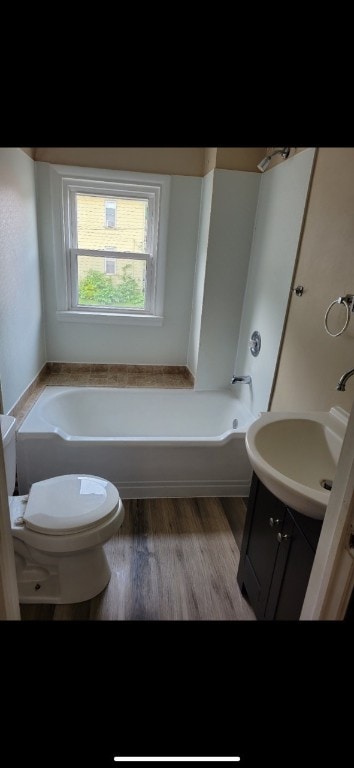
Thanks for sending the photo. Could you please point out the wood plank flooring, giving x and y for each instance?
(171, 560)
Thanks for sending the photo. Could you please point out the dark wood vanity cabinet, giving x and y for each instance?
(277, 553)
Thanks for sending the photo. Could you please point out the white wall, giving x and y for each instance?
(282, 199)
(233, 206)
(22, 351)
(132, 344)
(202, 252)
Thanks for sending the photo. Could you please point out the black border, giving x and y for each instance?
(273, 693)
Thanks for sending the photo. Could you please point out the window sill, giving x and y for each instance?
(108, 317)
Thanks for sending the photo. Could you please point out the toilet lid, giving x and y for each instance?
(69, 503)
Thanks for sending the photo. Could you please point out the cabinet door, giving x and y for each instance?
(291, 573)
(260, 550)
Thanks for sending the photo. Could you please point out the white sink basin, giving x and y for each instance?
(295, 456)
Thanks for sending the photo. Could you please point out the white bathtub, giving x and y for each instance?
(148, 442)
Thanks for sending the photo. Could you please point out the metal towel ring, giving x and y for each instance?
(346, 300)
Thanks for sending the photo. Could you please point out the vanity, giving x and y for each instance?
(277, 553)
(294, 458)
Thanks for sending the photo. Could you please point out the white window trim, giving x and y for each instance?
(63, 176)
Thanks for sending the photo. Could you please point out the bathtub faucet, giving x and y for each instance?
(242, 379)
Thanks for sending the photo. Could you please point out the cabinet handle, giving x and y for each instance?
(282, 536)
(273, 522)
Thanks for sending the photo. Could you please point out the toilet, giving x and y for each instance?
(58, 531)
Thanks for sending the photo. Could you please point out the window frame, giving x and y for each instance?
(108, 206)
(66, 181)
(108, 259)
(142, 192)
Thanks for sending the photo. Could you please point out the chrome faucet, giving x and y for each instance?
(242, 379)
(343, 380)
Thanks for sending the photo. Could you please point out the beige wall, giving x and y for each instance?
(181, 161)
(209, 159)
(233, 158)
(184, 161)
(311, 361)
(29, 151)
(239, 158)
(128, 234)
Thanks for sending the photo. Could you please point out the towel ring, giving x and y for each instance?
(347, 301)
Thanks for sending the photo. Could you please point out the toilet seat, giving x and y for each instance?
(69, 503)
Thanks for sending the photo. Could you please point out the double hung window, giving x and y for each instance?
(111, 244)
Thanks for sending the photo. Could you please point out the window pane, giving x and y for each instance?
(120, 225)
(110, 266)
(110, 214)
(125, 289)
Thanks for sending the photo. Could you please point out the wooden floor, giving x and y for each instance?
(172, 559)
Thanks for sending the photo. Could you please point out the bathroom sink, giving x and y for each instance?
(295, 456)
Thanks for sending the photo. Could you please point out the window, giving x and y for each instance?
(110, 266)
(110, 210)
(110, 271)
(131, 259)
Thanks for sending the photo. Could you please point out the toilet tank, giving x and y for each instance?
(8, 435)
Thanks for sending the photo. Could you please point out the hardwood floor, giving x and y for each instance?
(172, 559)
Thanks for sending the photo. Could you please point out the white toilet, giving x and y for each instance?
(58, 531)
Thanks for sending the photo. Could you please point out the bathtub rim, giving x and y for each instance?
(46, 429)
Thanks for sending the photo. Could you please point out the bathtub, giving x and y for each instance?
(148, 442)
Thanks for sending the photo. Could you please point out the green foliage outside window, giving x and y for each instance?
(98, 289)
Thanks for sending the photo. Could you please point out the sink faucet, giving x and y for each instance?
(243, 379)
(343, 380)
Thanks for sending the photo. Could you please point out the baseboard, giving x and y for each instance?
(166, 490)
